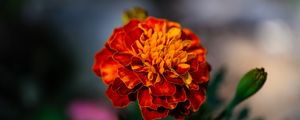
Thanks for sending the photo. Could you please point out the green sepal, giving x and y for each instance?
(134, 13)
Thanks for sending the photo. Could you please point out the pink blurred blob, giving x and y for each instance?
(90, 110)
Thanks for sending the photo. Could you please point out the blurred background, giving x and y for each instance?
(47, 49)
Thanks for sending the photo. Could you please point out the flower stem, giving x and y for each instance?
(226, 113)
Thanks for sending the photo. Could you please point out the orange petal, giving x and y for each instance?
(139, 68)
(197, 98)
(145, 99)
(171, 74)
(182, 68)
(116, 99)
(99, 59)
(109, 70)
(128, 77)
(163, 88)
(149, 114)
(180, 96)
(122, 58)
(162, 101)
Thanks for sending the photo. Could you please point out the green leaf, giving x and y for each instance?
(213, 99)
(134, 111)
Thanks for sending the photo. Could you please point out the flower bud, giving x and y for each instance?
(251, 82)
(134, 13)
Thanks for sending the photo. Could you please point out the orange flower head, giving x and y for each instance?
(158, 63)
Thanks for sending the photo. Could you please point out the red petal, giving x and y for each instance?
(132, 31)
(199, 52)
(162, 101)
(193, 86)
(178, 116)
(123, 90)
(122, 58)
(137, 65)
(117, 40)
(124, 37)
(152, 21)
(180, 96)
(194, 65)
(202, 74)
(99, 59)
(177, 80)
(181, 110)
(196, 98)
(144, 79)
(136, 61)
(116, 99)
(109, 70)
(149, 114)
(189, 35)
(173, 77)
(128, 77)
(145, 99)
(119, 87)
(116, 84)
(163, 88)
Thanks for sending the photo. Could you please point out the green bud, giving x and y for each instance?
(134, 13)
(251, 82)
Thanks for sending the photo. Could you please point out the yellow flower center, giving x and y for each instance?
(161, 50)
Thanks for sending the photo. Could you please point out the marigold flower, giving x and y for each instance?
(158, 63)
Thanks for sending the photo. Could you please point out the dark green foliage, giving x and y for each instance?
(244, 114)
